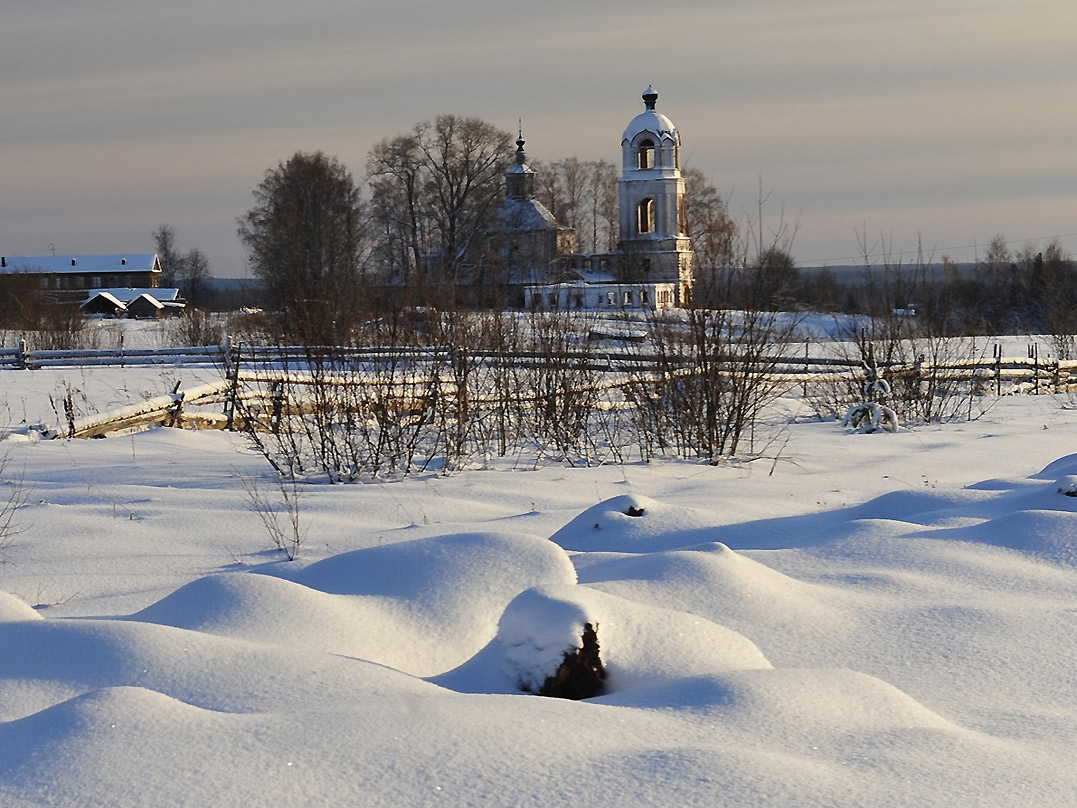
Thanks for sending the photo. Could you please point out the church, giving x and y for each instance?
(652, 267)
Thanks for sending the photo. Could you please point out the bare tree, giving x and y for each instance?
(188, 271)
(915, 351)
(1056, 282)
(395, 173)
(305, 240)
(583, 195)
(433, 189)
(194, 274)
(165, 239)
(716, 239)
(464, 160)
(771, 280)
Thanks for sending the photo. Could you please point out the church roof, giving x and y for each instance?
(650, 120)
(526, 214)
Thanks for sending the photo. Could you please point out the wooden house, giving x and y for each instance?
(70, 277)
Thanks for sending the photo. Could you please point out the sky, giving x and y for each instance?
(868, 127)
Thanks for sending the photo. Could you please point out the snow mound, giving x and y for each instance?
(632, 524)
(1047, 534)
(813, 703)
(1063, 466)
(65, 733)
(640, 644)
(264, 609)
(14, 608)
(836, 701)
(421, 606)
(418, 569)
(720, 584)
(915, 506)
(72, 657)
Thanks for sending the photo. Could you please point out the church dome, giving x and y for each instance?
(649, 120)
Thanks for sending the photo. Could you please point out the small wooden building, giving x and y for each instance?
(104, 303)
(145, 307)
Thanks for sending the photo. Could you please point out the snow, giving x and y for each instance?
(862, 620)
(104, 264)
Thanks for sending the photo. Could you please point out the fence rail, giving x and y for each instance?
(803, 367)
(253, 374)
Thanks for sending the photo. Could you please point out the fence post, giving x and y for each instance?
(22, 354)
(804, 385)
(176, 410)
(998, 368)
(231, 359)
(1034, 355)
(276, 390)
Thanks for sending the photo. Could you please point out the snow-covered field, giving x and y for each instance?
(862, 620)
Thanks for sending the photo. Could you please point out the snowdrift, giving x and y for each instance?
(912, 647)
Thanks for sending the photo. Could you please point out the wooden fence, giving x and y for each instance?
(170, 409)
(801, 367)
(250, 373)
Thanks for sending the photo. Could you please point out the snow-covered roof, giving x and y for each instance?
(526, 214)
(146, 299)
(602, 284)
(595, 276)
(126, 295)
(103, 264)
(102, 295)
(649, 120)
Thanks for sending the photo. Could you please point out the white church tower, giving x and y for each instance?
(651, 196)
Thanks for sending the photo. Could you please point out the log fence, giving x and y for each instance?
(257, 373)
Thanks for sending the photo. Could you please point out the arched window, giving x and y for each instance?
(645, 216)
(645, 154)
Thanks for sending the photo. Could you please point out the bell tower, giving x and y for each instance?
(651, 198)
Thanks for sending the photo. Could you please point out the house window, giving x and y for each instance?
(628, 298)
(611, 298)
(645, 216)
(643, 297)
(645, 154)
(95, 281)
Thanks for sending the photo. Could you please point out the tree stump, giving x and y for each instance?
(580, 673)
